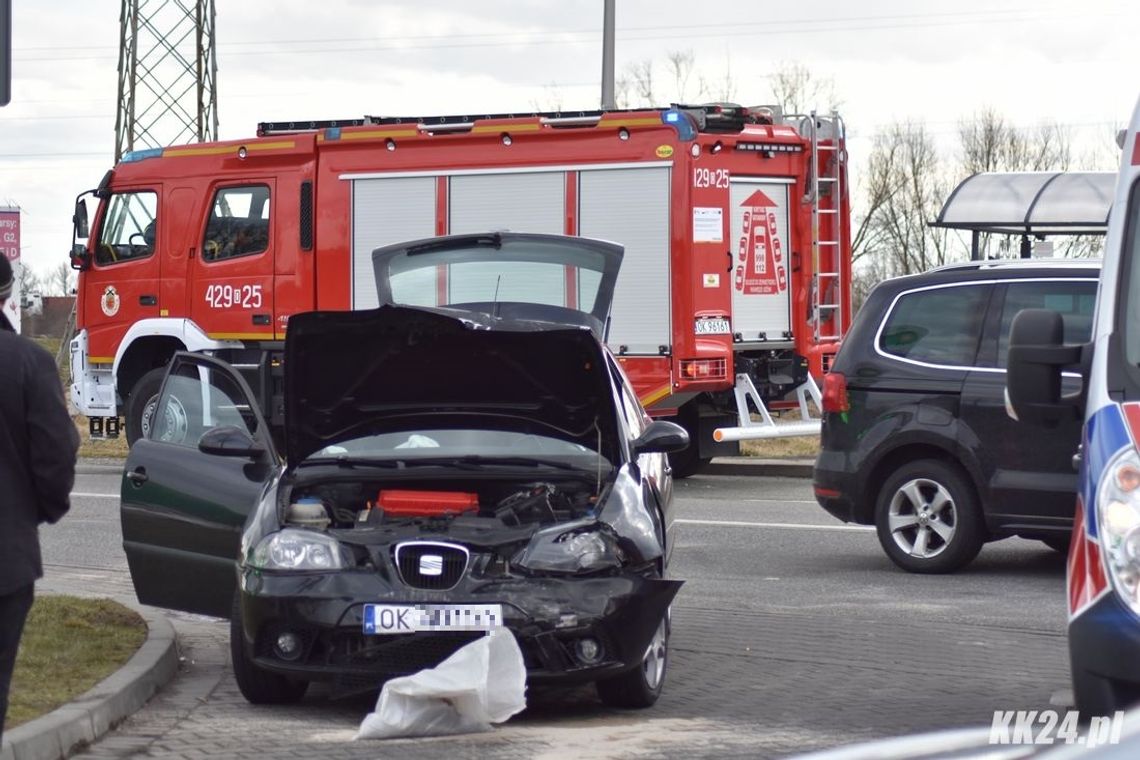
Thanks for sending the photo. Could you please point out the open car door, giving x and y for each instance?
(509, 275)
(183, 509)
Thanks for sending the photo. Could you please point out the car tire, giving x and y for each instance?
(1093, 694)
(927, 518)
(258, 686)
(141, 404)
(1058, 544)
(639, 688)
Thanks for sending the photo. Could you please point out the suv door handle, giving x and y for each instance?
(138, 476)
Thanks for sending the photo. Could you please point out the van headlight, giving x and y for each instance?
(1118, 522)
(292, 549)
(582, 546)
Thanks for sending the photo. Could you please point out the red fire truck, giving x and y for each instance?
(735, 222)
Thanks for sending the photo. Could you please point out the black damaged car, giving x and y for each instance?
(447, 470)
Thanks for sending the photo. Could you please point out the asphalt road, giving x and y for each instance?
(793, 632)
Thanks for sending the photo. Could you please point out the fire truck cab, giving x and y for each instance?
(735, 223)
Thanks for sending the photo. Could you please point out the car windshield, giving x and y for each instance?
(464, 444)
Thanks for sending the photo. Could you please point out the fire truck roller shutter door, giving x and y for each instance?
(519, 202)
(389, 210)
(761, 297)
(630, 206)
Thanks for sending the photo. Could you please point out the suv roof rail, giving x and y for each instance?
(999, 263)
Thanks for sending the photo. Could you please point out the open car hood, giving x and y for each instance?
(353, 374)
(507, 275)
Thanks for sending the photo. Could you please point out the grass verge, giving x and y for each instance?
(800, 447)
(69, 645)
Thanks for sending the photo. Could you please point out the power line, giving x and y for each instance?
(634, 34)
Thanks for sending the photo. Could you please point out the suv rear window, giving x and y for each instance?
(936, 326)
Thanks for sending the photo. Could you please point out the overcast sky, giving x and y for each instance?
(935, 62)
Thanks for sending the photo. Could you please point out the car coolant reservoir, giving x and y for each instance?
(308, 512)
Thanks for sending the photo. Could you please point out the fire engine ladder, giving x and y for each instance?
(825, 194)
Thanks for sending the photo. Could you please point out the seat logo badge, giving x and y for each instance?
(431, 564)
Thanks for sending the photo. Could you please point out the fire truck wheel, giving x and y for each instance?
(141, 404)
(686, 463)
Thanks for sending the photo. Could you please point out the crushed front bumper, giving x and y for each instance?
(548, 616)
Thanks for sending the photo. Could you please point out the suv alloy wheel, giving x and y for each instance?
(927, 518)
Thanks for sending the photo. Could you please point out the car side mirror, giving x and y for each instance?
(229, 441)
(661, 437)
(1037, 354)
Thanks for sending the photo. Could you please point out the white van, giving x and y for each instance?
(1104, 554)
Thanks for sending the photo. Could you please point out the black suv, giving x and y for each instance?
(916, 439)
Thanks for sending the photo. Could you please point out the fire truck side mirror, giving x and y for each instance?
(80, 258)
(79, 220)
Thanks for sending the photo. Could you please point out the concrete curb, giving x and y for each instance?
(91, 715)
(757, 467)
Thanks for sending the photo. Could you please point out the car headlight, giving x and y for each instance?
(1118, 519)
(582, 546)
(292, 549)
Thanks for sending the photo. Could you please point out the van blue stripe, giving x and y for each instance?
(1105, 435)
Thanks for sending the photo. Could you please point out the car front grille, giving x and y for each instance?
(431, 565)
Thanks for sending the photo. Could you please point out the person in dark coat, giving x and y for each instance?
(38, 443)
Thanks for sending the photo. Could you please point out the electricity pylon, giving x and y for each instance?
(168, 74)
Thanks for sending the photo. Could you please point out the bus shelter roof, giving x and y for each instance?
(1031, 203)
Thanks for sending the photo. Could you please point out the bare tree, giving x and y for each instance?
(634, 87)
(60, 281)
(552, 98)
(989, 143)
(906, 189)
(680, 67)
(798, 90)
(721, 89)
(30, 281)
(876, 188)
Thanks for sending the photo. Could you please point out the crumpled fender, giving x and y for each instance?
(624, 511)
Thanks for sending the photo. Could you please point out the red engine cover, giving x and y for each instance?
(426, 503)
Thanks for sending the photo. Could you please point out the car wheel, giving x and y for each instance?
(1058, 544)
(927, 518)
(141, 404)
(258, 686)
(640, 687)
(1094, 695)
